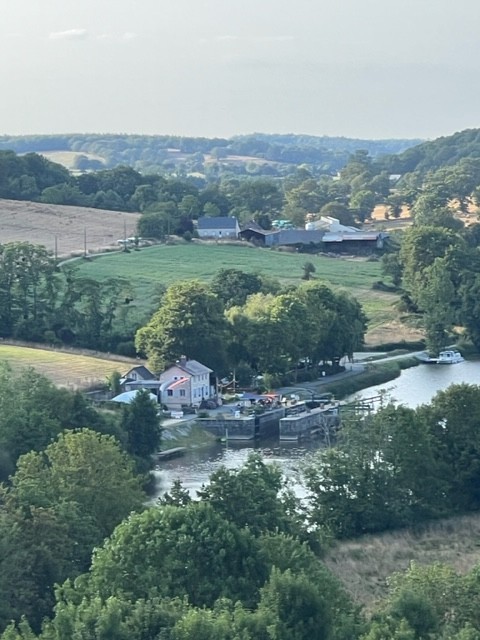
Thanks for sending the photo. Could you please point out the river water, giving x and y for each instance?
(414, 387)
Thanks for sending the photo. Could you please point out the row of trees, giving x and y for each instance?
(170, 204)
(238, 322)
(241, 317)
(39, 302)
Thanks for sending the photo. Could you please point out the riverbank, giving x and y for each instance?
(356, 377)
(359, 375)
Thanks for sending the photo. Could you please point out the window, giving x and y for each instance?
(170, 392)
(182, 393)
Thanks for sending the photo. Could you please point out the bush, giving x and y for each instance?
(379, 285)
(403, 345)
(271, 380)
(126, 349)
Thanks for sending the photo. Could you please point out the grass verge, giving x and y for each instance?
(185, 434)
(364, 564)
(375, 374)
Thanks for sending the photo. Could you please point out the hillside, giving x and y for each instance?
(269, 154)
(365, 564)
(43, 223)
(441, 152)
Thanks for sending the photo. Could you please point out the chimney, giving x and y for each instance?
(183, 361)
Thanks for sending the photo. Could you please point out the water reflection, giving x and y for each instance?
(419, 385)
(415, 386)
(195, 468)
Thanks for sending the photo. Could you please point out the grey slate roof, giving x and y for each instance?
(142, 371)
(252, 225)
(193, 367)
(293, 236)
(220, 222)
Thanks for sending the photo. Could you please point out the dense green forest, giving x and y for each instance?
(432, 155)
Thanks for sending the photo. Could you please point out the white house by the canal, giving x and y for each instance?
(185, 383)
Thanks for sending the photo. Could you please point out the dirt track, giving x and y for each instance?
(42, 223)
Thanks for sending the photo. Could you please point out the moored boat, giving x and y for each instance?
(452, 356)
(449, 356)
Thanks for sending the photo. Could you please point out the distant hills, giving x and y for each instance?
(255, 154)
(444, 151)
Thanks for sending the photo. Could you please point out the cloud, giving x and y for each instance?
(69, 34)
(112, 37)
(253, 39)
(129, 35)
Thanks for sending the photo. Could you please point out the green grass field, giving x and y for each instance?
(165, 264)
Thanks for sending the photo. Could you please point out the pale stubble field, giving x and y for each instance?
(64, 228)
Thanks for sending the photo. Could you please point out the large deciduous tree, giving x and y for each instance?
(233, 286)
(254, 496)
(83, 467)
(190, 321)
(179, 551)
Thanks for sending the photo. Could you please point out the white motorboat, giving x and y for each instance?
(449, 356)
(452, 356)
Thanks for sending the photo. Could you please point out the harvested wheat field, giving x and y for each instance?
(72, 227)
(392, 331)
(72, 370)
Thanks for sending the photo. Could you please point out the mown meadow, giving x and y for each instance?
(73, 370)
(164, 264)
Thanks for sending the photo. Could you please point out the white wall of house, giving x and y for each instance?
(218, 233)
(191, 392)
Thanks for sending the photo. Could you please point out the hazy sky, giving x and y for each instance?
(358, 68)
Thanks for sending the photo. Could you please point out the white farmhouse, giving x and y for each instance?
(219, 228)
(186, 383)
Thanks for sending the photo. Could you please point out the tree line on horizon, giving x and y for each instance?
(277, 153)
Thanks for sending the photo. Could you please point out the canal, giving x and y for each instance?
(415, 386)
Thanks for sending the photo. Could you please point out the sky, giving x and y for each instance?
(217, 68)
